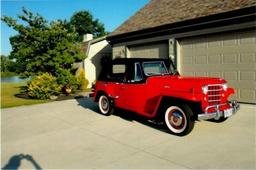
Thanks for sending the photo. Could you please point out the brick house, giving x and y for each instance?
(215, 38)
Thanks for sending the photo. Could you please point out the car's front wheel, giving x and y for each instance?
(104, 105)
(178, 119)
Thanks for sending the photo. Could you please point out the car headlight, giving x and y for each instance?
(225, 86)
(205, 89)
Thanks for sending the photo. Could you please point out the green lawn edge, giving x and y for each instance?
(8, 98)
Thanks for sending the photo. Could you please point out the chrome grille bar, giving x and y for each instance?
(214, 93)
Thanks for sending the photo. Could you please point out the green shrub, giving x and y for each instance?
(43, 86)
(67, 81)
(83, 82)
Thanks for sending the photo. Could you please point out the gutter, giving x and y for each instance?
(236, 17)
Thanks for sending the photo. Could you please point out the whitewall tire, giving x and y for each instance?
(178, 120)
(104, 105)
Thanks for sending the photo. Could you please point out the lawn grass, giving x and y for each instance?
(8, 74)
(8, 98)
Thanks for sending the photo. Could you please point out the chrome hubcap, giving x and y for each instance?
(176, 119)
(104, 104)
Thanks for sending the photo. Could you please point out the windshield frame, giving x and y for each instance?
(155, 74)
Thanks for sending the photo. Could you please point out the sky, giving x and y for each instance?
(111, 13)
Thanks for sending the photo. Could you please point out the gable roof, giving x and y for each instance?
(86, 44)
(161, 12)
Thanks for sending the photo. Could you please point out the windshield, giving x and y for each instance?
(154, 68)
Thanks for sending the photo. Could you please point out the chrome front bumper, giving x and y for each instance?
(218, 113)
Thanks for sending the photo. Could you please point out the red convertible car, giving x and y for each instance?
(154, 89)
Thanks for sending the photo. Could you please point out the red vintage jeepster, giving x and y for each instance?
(154, 89)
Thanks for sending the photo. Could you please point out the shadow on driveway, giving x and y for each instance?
(88, 103)
(15, 162)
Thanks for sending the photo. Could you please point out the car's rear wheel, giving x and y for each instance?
(178, 119)
(104, 105)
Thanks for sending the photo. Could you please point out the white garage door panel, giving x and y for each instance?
(231, 56)
(149, 51)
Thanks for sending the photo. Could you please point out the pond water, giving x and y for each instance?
(13, 79)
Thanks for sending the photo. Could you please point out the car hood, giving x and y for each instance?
(186, 82)
(198, 80)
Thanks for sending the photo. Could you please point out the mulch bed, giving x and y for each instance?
(59, 98)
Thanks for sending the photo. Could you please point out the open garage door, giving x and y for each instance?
(231, 56)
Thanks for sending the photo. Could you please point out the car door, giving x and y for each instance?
(133, 90)
(118, 84)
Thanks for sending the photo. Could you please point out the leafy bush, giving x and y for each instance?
(68, 81)
(83, 82)
(43, 86)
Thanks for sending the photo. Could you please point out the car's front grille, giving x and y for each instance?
(214, 94)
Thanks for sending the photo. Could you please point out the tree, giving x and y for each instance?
(84, 23)
(8, 65)
(41, 47)
(4, 61)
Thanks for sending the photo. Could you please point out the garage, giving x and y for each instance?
(216, 40)
(156, 50)
(231, 56)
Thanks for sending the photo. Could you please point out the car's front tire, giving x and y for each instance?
(105, 106)
(178, 119)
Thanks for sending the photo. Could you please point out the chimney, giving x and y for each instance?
(87, 37)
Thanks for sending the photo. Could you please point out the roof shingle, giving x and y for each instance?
(162, 12)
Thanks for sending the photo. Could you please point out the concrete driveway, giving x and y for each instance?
(72, 134)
